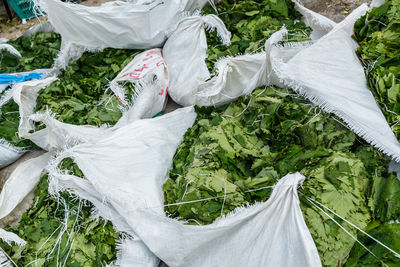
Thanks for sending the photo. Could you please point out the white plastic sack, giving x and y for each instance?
(150, 100)
(235, 76)
(10, 49)
(190, 81)
(320, 25)
(117, 25)
(149, 74)
(185, 52)
(56, 135)
(125, 170)
(21, 182)
(9, 153)
(272, 233)
(329, 73)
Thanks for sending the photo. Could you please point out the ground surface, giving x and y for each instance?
(336, 10)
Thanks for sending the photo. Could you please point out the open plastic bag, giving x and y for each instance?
(126, 169)
(192, 83)
(9, 153)
(117, 24)
(330, 75)
(56, 135)
(21, 182)
(10, 49)
(148, 74)
(150, 97)
(272, 233)
(138, 169)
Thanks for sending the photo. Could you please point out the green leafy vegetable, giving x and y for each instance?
(251, 23)
(237, 151)
(79, 96)
(378, 34)
(9, 122)
(385, 198)
(38, 52)
(86, 241)
(388, 234)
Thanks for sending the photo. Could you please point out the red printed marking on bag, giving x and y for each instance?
(134, 75)
(147, 58)
(160, 62)
(162, 91)
(122, 101)
(141, 69)
(153, 52)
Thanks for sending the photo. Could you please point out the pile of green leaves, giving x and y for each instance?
(251, 23)
(384, 202)
(79, 96)
(378, 34)
(388, 234)
(87, 241)
(251, 143)
(9, 122)
(38, 52)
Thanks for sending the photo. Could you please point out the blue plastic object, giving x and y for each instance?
(9, 78)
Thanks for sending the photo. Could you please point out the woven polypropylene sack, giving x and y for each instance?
(117, 24)
(126, 170)
(272, 233)
(330, 75)
(192, 83)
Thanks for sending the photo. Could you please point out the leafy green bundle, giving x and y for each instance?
(237, 151)
(9, 122)
(38, 52)
(387, 233)
(79, 96)
(378, 34)
(86, 241)
(251, 23)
